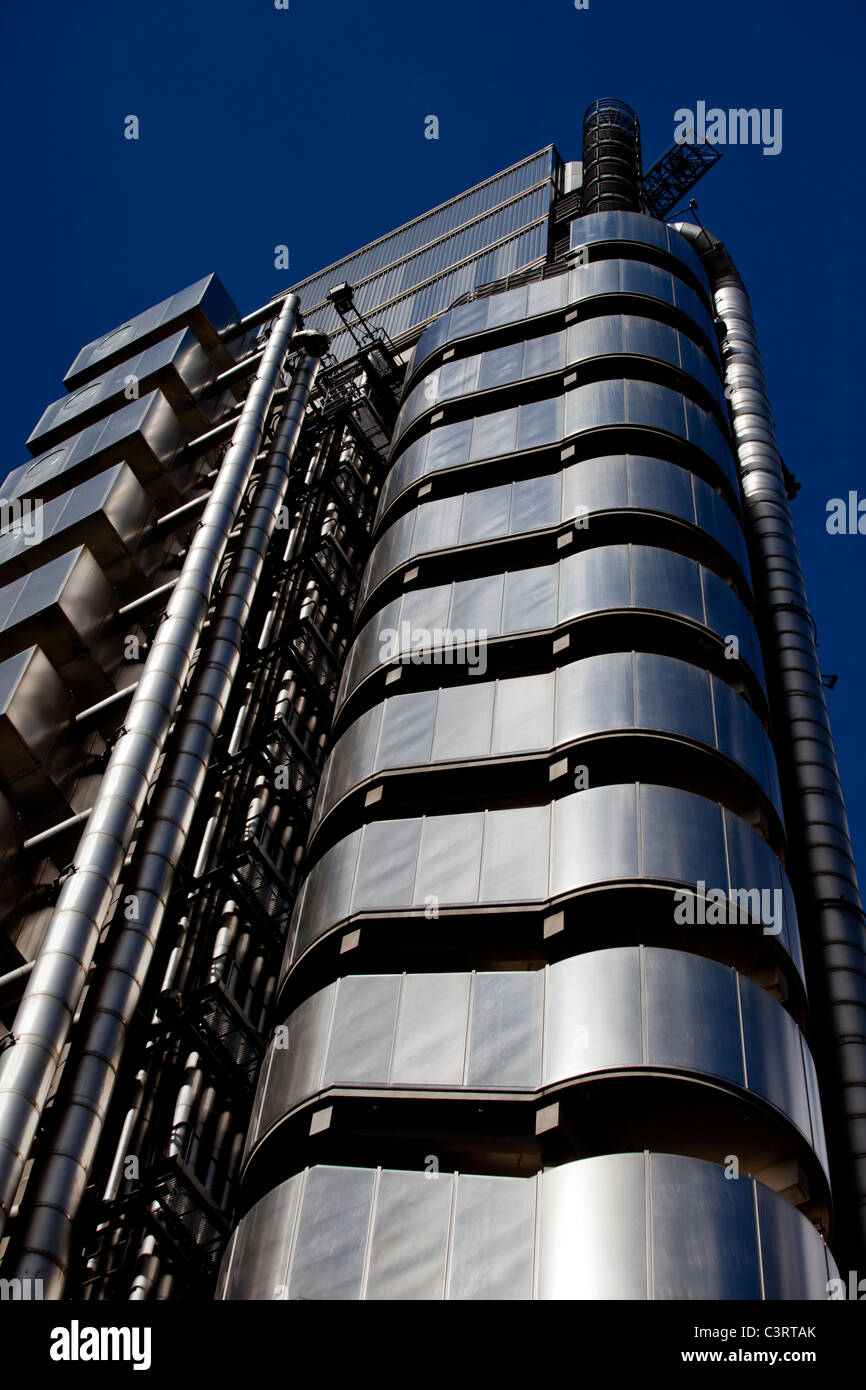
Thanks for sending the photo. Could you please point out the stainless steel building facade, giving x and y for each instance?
(454, 898)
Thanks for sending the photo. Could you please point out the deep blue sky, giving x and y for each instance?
(261, 126)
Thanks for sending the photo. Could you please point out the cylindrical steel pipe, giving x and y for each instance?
(65, 1169)
(44, 1016)
(816, 815)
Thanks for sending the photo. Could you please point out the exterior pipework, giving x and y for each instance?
(817, 817)
(46, 1243)
(41, 1026)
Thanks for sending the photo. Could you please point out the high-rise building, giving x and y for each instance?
(427, 868)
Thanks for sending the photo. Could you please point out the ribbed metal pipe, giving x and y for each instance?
(817, 818)
(64, 1171)
(42, 1023)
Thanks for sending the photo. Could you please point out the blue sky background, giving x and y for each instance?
(305, 127)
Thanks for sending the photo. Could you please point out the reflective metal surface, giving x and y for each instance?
(817, 808)
(204, 307)
(41, 1025)
(575, 1232)
(537, 853)
(539, 599)
(575, 494)
(524, 714)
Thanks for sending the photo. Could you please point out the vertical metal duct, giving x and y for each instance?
(64, 1171)
(612, 170)
(41, 1027)
(817, 816)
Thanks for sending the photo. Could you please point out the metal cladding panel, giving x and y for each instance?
(109, 513)
(550, 501)
(419, 626)
(588, 839)
(204, 307)
(64, 607)
(626, 1009)
(612, 336)
(578, 1232)
(638, 227)
(178, 367)
(145, 434)
(35, 706)
(600, 278)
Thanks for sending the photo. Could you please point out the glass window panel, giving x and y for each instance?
(682, 837)
(698, 365)
(515, 856)
(493, 435)
(674, 695)
(661, 487)
(296, 1072)
(536, 503)
(493, 1240)
(407, 730)
(542, 355)
(386, 865)
(725, 613)
(594, 579)
(595, 484)
(523, 717)
(263, 1240)
(692, 1019)
(436, 525)
(774, 1058)
(651, 280)
(539, 422)
(423, 612)
(594, 694)
(531, 599)
(546, 295)
(331, 1240)
(468, 318)
(646, 338)
(666, 581)
(431, 1030)
(353, 755)
(595, 337)
(509, 307)
(505, 1029)
(501, 365)
(328, 887)
(594, 838)
(449, 859)
(740, 732)
(477, 605)
(362, 1032)
(656, 406)
(714, 515)
(598, 403)
(680, 1186)
(754, 869)
(410, 1237)
(463, 722)
(449, 446)
(593, 1013)
(458, 378)
(485, 514)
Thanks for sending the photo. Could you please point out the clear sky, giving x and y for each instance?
(305, 127)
